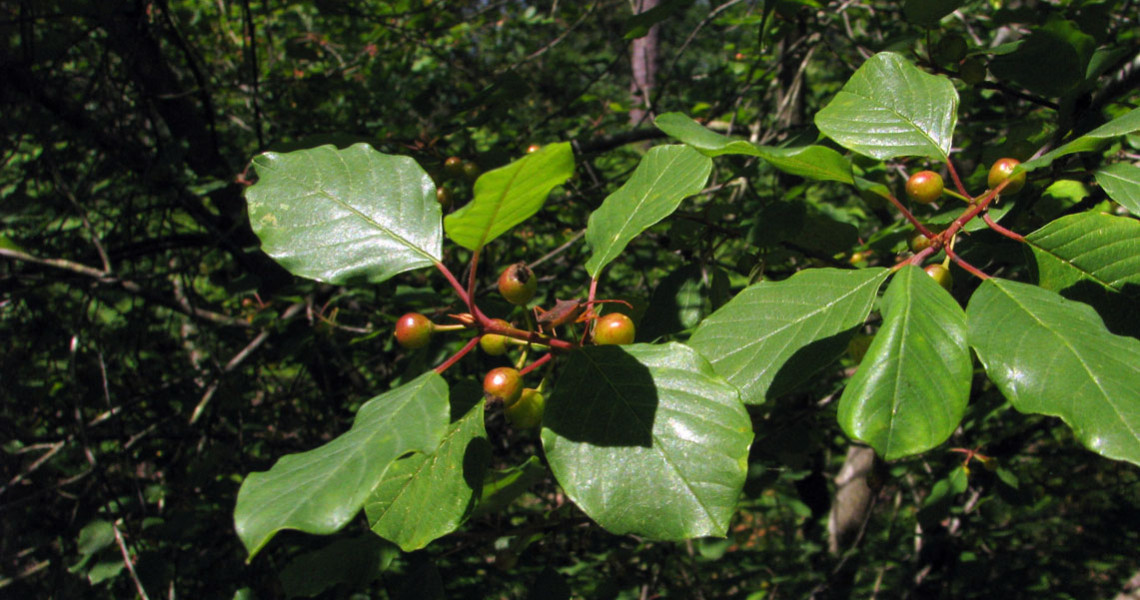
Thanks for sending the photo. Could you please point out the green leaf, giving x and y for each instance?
(320, 490)
(1093, 247)
(681, 300)
(509, 195)
(339, 215)
(928, 13)
(708, 142)
(648, 440)
(95, 536)
(355, 562)
(1121, 181)
(890, 108)
(422, 497)
(665, 176)
(912, 387)
(1122, 125)
(502, 487)
(813, 162)
(775, 335)
(1051, 61)
(1053, 356)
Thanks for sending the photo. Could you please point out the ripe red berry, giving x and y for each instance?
(614, 329)
(503, 384)
(517, 283)
(924, 187)
(414, 330)
(941, 275)
(1001, 170)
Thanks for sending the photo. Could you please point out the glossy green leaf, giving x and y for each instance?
(813, 162)
(648, 440)
(890, 108)
(913, 384)
(1122, 125)
(1121, 181)
(775, 335)
(665, 176)
(1051, 61)
(424, 496)
(319, 491)
(1094, 247)
(1053, 356)
(340, 215)
(509, 195)
(681, 300)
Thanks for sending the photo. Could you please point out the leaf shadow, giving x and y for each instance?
(604, 397)
(808, 361)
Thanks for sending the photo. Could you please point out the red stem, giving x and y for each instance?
(909, 217)
(458, 355)
(965, 265)
(957, 180)
(545, 358)
(454, 283)
(1017, 237)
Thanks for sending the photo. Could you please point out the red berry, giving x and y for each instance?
(414, 330)
(531, 149)
(1001, 170)
(454, 166)
(503, 384)
(517, 283)
(614, 329)
(924, 187)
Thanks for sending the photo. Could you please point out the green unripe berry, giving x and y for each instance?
(503, 384)
(414, 330)
(614, 329)
(924, 187)
(1001, 170)
(526, 412)
(471, 170)
(493, 343)
(919, 242)
(941, 275)
(517, 284)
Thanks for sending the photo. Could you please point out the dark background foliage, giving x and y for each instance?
(152, 355)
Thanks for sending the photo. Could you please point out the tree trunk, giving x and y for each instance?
(644, 58)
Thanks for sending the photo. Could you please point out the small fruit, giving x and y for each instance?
(919, 242)
(924, 187)
(951, 48)
(454, 166)
(614, 329)
(1001, 171)
(531, 149)
(503, 384)
(414, 330)
(941, 275)
(493, 343)
(526, 412)
(517, 283)
(972, 71)
(471, 170)
(444, 196)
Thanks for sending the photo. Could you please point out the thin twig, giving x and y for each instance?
(127, 561)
